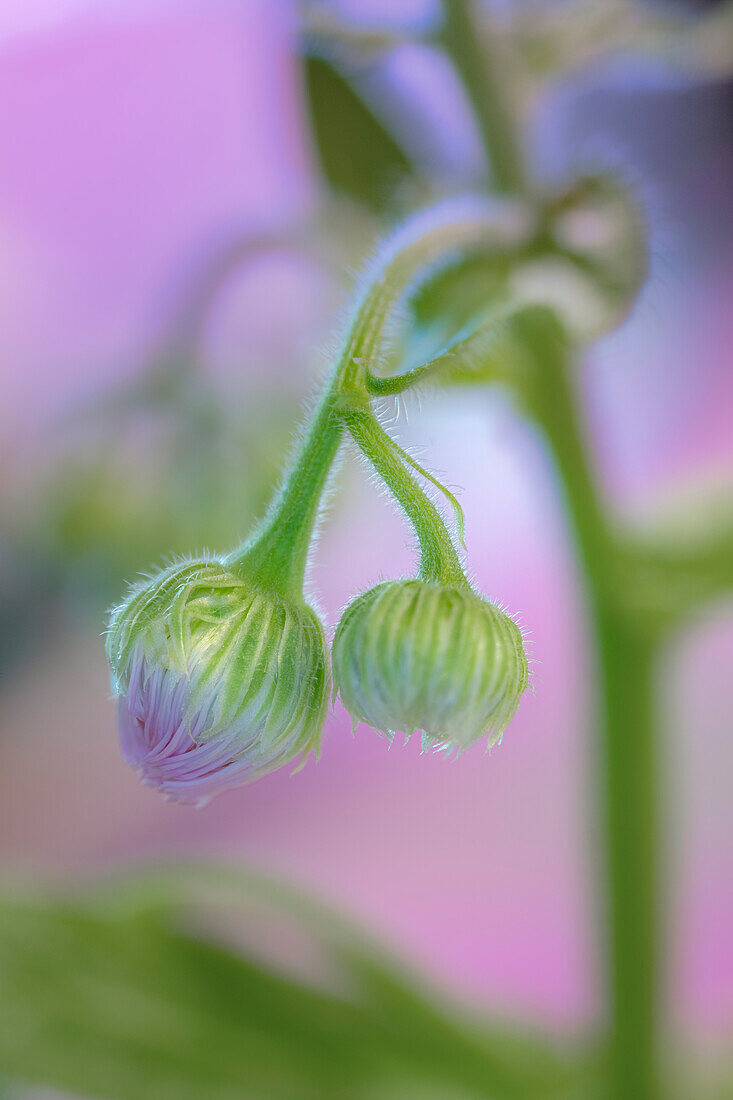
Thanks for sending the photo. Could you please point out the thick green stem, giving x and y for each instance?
(478, 68)
(628, 767)
(626, 759)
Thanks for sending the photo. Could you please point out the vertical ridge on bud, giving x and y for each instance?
(418, 655)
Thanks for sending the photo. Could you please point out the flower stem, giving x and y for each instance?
(275, 557)
(439, 561)
(626, 760)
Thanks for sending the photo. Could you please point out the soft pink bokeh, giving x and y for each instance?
(125, 147)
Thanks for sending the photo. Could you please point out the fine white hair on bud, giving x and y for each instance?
(218, 680)
(413, 655)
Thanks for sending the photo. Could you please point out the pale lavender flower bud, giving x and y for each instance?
(218, 681)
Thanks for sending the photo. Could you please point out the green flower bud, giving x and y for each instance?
(218, 681)
(419, 655)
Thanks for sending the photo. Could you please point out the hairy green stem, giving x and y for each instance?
(438, 558)
(626, 758)
(275, 557)
(476, 63)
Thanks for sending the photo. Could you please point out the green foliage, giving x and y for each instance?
(358, 156)
(679, 565)
(111, 508)
(112, 996)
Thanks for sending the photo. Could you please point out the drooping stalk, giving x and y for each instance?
(626, 755)
(439, 561)
(275, 557)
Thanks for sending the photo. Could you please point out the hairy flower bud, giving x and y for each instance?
(218, 681)
(418, 655)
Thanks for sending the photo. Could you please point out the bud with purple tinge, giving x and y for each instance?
(218, 681)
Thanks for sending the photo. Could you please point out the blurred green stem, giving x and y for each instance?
(628, 770)
(626, 760)
(475, 59)
(626, 764)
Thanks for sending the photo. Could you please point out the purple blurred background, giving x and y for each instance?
(133, 137)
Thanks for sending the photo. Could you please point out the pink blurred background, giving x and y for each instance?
(132, 136)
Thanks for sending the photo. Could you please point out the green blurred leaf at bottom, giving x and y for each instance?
(132, 1009)
(120, 1001)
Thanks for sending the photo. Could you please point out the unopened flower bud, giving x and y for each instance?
(417, 655)
(218, 681)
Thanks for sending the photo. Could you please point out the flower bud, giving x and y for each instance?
(417, 655)
(218, 681)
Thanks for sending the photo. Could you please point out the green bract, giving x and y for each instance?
(414, 655)
(218, 680)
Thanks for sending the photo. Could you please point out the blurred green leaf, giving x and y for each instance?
(132, 1009)
(450, 302)
(172, 483)
(455, 293)
(112, 996)
(681, 562)
(357, 153)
